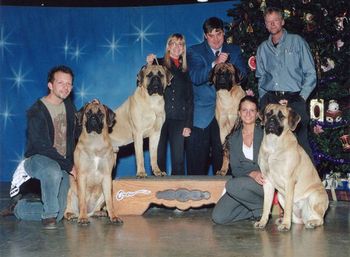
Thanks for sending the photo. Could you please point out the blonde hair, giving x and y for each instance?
(182, 59)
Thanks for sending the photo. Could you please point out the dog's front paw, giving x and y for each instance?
(221, 173)
(284, 227)
(83, 221)
(159, 173)
(311, 224)
(260, 224)
(116, 220)
(141, 174)
(70, 216)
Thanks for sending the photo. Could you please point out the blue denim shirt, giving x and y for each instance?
(287, 67)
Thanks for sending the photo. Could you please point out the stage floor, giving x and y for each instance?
(165, 232)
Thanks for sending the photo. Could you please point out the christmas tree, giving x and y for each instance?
(325, 25)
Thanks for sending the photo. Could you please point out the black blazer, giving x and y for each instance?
(178, 96)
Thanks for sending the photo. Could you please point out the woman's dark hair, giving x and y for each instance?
(247, 98)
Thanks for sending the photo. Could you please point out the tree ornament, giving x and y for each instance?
(309, 20)
(333, 114)
(252, 63)
(263, 6)
(345, 141)
(340, 22)
(324, 11)
(318, 129)
(286, 13)
(250, 28)
(329, 65)
(251, 4)
(317, 109)
(339, 44)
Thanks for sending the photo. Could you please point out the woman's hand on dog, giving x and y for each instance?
(257, 176)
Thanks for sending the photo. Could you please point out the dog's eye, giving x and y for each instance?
(160, 74)
(280, 115)
(149, 75)
(89, 112)
(268, 114)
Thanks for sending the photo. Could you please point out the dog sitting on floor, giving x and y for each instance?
(287, 167)
(94, 160)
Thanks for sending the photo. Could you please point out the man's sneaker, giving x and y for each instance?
(49, 223)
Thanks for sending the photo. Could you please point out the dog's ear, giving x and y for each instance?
(261, 116)
(110, 117)
(211, 77)
(293, 119)
(169, 76)
(140, 76)
(238, 75)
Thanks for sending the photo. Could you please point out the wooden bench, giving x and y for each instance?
(132, 196)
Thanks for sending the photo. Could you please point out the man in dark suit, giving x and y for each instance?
(204, 142)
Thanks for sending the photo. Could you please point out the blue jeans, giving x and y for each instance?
(54, 189)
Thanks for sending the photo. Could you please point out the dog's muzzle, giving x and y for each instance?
(155, 86)
(223, 81)
(94, 122)
(273, 126)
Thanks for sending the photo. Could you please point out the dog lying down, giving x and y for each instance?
(287, 168)
(94, 160)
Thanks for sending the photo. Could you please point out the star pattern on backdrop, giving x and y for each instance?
(142, 34)
(112, 46)
(82, 92)
(4, 43)
(19, 78)
(77, 52)
(6, 115)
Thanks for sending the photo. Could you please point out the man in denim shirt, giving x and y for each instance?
(286, 72)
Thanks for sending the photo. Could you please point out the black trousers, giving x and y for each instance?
(204, 146)
(172, 132)
(298, 104)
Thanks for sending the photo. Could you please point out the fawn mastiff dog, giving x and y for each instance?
(142, 115)
(94, 160)
(226, 77)
(287, 168)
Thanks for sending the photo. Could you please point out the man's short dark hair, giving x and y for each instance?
(211, 24)
(61, 68)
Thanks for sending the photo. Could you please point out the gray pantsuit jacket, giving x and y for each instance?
(244, 197)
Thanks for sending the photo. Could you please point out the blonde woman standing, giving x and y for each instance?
(178, 97)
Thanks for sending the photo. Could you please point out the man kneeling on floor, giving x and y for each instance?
(51, 137)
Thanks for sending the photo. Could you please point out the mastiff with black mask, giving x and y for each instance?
(226, 78)
(94, 160)
(142, 115)
(287, 168)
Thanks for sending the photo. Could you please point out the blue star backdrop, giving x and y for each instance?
(105, 47)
